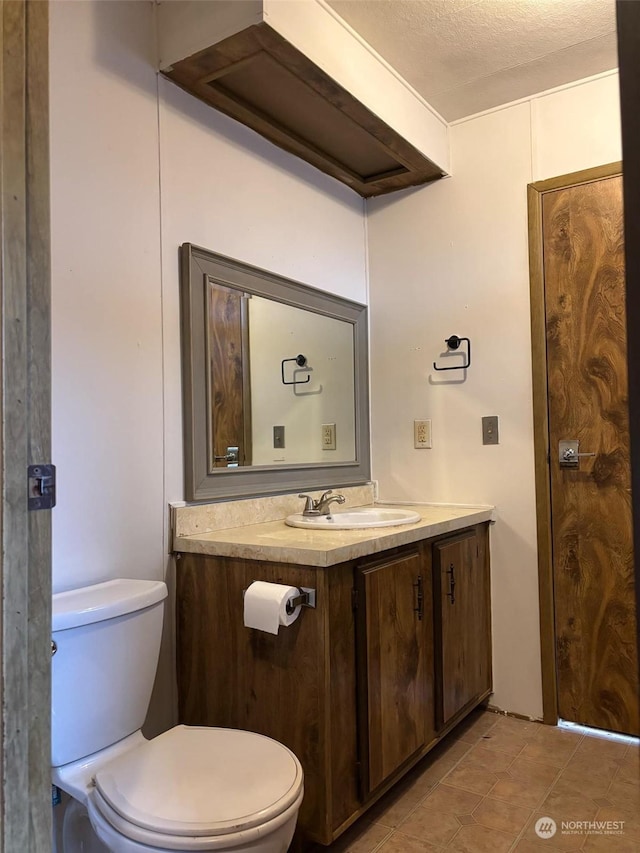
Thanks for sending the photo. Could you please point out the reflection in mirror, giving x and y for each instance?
(275, 382)
(302, 409)
(272, 393)
(227, 376)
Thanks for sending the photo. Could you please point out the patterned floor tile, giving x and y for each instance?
(629, 769)
(509, 739)
(569, 783)
(521, 768)
(475, 726)
(483, 789)
(539, 846)
(610, 844)
(362, 837)
(547, 751)
(521, 792)
(625, 794)
(570, 806)
(600, 747)
(451, 800)
(479, 839)
(471, 779)
(630, 820)
(399, 843)
(491, 760)
(506, 817)
(429, 825)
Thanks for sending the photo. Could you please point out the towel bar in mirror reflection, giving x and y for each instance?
(301, 361)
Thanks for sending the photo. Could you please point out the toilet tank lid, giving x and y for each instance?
(102, 601)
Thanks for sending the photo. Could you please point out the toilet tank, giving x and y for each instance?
(108, 641)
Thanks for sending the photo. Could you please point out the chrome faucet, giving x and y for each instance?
(321, 506)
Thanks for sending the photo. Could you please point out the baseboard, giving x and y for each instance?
(495, 710)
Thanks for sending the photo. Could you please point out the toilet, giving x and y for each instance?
(190, 788)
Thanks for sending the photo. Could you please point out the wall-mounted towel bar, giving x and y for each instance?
(301, 361)
(453, 342)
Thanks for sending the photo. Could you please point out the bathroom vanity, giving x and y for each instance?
(396, 651)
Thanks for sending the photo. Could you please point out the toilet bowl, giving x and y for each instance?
(189, 789)
(77, 831)
(199, 789)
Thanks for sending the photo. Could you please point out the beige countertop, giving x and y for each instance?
(275, 541)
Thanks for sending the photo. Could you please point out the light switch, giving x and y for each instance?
(278, 436)
(490, 430)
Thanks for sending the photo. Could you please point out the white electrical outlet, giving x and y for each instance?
(328, 436)
(422, 434)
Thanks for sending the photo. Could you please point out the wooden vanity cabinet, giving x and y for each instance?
(298, 687)
(462, 621)
(352, 686)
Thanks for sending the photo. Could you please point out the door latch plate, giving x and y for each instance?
(41, 486)
(569, 454)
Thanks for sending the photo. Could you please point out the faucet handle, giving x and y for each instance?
(310, 505)
(325, 495)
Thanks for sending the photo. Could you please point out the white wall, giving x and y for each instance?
(452, 258)
(106, 297)
(185, 27)
(576, 127)
(137, 168)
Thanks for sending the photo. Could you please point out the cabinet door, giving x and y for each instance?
(394, 664)
(462, 612)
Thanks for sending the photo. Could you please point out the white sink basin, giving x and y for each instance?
(352, 519)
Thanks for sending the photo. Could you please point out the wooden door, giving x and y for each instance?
(25, 412)
(228, 380)
(463, 632)
(394, 664)
(595, 620)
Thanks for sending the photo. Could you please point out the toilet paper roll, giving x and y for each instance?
(265, 606)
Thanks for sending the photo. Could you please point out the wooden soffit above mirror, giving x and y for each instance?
(258, 78)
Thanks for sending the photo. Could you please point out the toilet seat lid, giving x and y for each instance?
(194, 781)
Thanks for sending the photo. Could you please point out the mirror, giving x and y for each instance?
(275, 382)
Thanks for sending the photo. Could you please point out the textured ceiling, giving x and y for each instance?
(465, 56)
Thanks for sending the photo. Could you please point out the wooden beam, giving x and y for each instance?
(25, 425)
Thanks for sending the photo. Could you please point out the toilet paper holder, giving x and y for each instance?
(307, 598)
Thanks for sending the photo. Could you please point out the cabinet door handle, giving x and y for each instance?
(420, 598)
(451, 571)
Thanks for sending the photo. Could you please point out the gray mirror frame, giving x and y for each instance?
(226, 483)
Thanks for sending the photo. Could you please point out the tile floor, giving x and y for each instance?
(485, 787)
